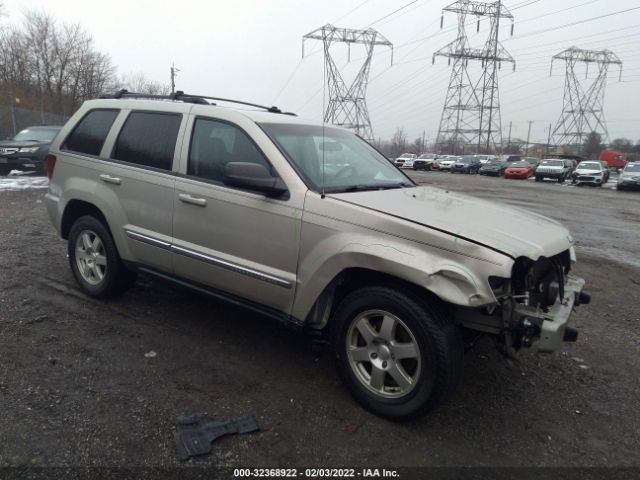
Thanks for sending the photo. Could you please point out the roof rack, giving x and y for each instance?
(188, 98)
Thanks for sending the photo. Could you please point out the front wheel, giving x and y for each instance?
(94, 259)
(398, 356)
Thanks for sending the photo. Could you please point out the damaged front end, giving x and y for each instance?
(534, 305)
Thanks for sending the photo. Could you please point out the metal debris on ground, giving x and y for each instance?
(196, 432)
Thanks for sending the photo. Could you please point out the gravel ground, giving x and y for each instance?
(76, 387)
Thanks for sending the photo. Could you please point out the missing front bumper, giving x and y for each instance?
(552, 324)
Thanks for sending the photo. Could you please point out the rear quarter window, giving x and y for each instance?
(148, 139)
(89, 134)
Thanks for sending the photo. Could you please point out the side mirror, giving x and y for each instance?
(253, 176)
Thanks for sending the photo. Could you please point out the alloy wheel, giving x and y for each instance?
(91, 257)
(383, 353)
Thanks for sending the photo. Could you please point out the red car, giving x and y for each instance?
(615, 160)
(518, 170)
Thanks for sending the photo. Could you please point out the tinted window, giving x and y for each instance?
(214, 144)
(148, 139)
(91, 132)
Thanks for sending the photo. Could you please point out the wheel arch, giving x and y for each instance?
(75, 209)
(354, 278)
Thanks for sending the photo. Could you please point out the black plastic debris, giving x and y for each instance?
(195, 433)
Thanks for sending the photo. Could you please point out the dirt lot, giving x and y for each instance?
(77, 389)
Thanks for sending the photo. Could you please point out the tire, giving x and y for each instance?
(538, 178)
(4, 169)
(90, 244)
(434, 370)
(561, 179)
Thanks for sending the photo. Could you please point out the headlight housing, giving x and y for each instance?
(28, 149)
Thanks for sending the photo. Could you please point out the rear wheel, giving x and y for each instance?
(538, 178)
(94, 259)
(399, 358)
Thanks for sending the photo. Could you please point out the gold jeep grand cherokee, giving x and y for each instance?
(310, 225)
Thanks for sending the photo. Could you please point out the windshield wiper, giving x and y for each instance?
(363, 188)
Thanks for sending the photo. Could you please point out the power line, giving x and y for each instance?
(349, 12)
(392, 13)
(537, 32)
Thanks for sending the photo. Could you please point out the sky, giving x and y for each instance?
(252, 50)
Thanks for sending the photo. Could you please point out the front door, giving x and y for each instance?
(237, 241)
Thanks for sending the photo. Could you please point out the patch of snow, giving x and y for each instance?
(22, 182)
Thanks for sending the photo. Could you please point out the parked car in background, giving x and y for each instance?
(589, 172)
(485, 158)
(494, 168)
(444, 164)
(615, 160)
(405, 160)
(606, 169)
(534, 162)
(518, 170)
(629, 177)
(424, 162)
(28, 149)
(556, 168)
(512, 158)
(466, 164)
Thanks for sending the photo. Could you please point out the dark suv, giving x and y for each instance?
(28, 149)
(466, 164)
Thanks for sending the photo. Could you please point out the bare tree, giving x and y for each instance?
(398, 142)
(49, 66)
(139, 83)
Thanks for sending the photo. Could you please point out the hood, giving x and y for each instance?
(490, 167)
(588, 171)
(512, 231)
(14, 144)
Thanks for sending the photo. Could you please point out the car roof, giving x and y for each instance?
(254, 114)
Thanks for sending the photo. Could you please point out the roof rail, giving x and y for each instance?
(188, 98)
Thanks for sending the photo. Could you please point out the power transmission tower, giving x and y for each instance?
(582, 109)
(347, 106)
(471, 113)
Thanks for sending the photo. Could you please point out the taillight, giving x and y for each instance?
(51, 164)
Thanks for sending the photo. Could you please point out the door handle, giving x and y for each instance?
(186, 198)
(109, 179)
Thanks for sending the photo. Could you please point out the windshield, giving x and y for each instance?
(463, 160)
(350, 163)
(632, 168)
(590, 166)
(407, 155)
(552, 163)
(39, 135)
(426, 156)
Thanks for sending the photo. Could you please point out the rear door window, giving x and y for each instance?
(148, 139)
(90, 133)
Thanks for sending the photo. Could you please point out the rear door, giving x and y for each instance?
(234, 240)
(137, 182)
